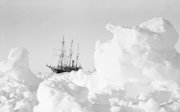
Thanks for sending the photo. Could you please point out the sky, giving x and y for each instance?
(39, 25)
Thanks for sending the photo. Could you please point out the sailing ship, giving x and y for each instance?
(66, 61)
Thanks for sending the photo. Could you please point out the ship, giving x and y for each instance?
(67, 61)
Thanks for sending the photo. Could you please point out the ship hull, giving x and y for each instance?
(64, 69)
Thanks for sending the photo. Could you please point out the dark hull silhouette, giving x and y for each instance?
(63, 69)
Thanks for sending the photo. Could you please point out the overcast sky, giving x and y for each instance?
(38, 25)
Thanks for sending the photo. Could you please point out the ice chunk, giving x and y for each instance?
(59, 94)
(162, 34)
(143, 60)
(17, 98)
(16, 68)
(144, 52)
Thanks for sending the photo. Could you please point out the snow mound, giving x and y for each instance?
(136, 97)
(137, 70)
(16, 68)
(59, 94)
(16, 97)
(18, 84)
(144, 52)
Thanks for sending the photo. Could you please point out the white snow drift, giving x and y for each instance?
(16, 68)
(143, 52)
(19, 84)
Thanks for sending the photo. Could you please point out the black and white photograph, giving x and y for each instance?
(89, 56)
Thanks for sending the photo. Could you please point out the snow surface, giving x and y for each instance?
(138, 70)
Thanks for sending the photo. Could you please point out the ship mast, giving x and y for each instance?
(62, 53)
(77, 55)
(70, 55)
